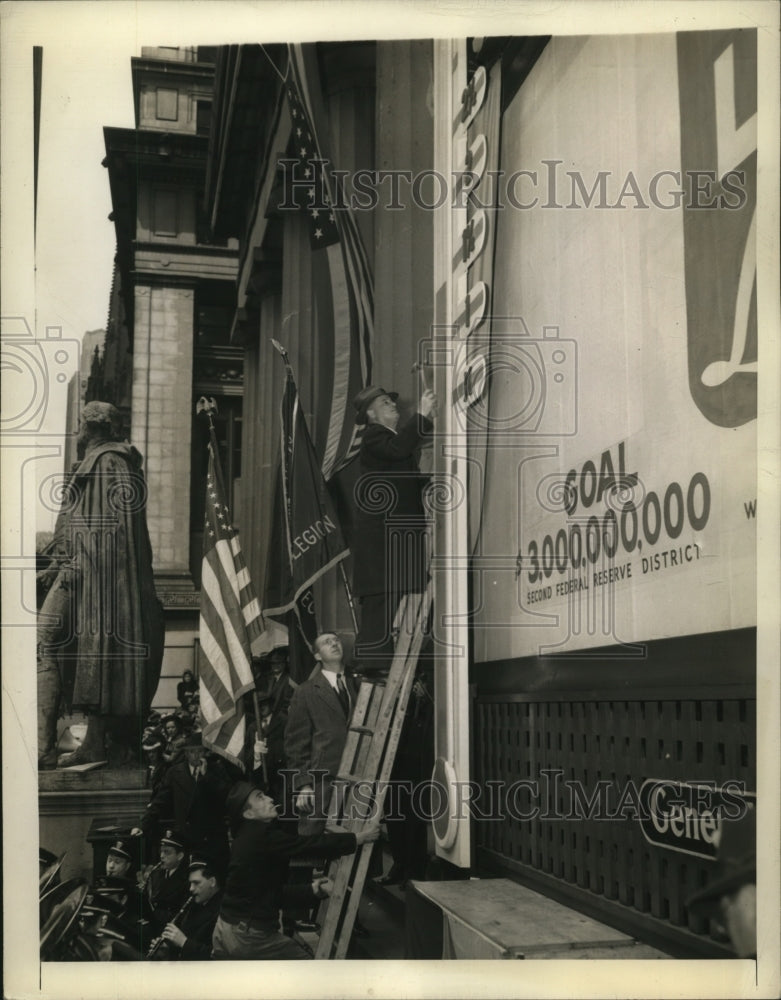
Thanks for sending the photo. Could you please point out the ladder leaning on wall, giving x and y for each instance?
(365, 769)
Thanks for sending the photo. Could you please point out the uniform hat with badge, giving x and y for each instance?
(201, 860)
(101, 902)
(121, 846)
(173, 838)
(364, 399)
(114, 885)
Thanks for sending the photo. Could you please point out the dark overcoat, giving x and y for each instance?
(194, 808)
(388, 501)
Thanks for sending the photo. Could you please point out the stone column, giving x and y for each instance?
(161, 422)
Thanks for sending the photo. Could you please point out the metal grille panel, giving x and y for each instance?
(561, 743)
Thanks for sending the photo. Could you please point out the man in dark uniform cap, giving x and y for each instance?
(168, 885)
(190, 938)
(119, 860)
(388, 500)
(103, 933)
(248, 924)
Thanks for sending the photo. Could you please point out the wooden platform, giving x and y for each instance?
(497, 918)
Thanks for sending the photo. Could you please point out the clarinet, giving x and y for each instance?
(158, 942)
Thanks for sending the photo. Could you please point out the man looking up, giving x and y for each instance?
(248, 924)
(316, 731)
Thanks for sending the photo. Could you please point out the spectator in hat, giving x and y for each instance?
(168, 885)
(275, 678)
(186, 686)
(174, 739)
(267, 745)
(248, 923)
(730, 897)
(152, 748)
(190, 938)
(194, 711)
(388, 499)
(191, 798)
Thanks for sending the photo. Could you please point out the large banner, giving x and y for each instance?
(620, 494)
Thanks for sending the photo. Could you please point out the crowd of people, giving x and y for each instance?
(205, 871)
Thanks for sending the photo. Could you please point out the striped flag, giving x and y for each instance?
(232, 627)
(341, 278)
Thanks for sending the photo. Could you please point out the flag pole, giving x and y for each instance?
(207, 408)
(256, 703)
(345, 582)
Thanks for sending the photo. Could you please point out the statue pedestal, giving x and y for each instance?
(69, 802)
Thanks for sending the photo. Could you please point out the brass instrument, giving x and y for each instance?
(143, 879)
(158, 942)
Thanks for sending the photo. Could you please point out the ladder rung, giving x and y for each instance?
(348, 779)
(365, 730)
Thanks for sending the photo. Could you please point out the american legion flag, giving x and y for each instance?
(341, 278)
(310, 541)
(232, 627)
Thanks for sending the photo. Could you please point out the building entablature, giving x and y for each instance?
(172, 96)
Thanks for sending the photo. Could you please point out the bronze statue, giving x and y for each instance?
(100, 628)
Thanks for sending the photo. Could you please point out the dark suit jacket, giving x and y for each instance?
(195, 809)
(388, 489)
(167, 893)
(197, 924)
(315, 734)
(281, 692)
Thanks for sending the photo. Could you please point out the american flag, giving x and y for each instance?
(232, 627)
(341, 277)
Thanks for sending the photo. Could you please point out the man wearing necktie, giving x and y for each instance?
(316, 731)
(191, 796)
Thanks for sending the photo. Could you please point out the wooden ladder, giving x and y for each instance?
(365, 769)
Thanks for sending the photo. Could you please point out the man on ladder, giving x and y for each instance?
(390, 560)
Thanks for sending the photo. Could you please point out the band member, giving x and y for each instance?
(189, 938)
(103, 934)
(119, 860)
(168, 886)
